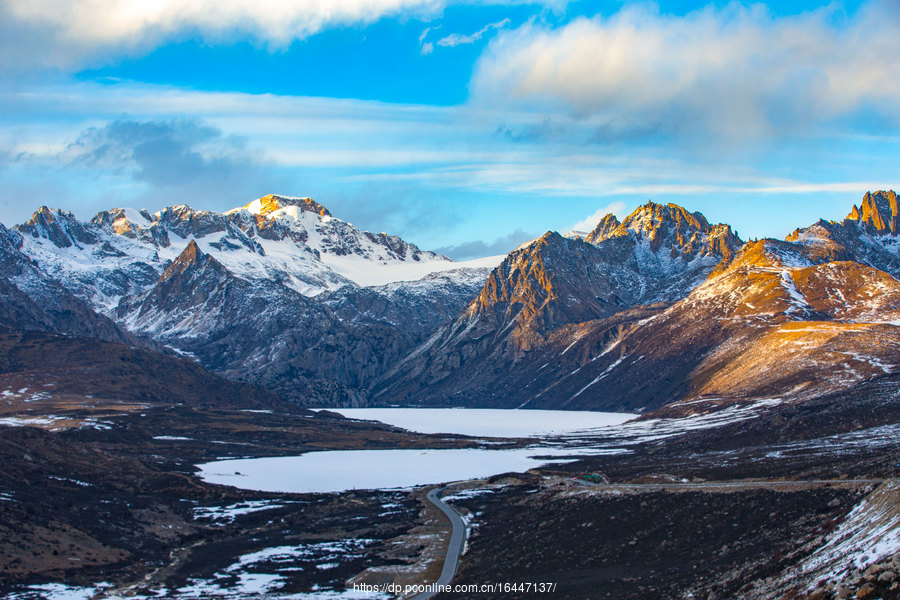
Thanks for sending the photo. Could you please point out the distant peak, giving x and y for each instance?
(648, 218)
(272, 202)
(670, 227)
(879, 212)
(604, 228)
(58, 226)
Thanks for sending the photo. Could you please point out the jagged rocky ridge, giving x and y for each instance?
(30, 300)
(784, 319)
(266, 293)
(656, 255)
(291, 241)
(660, 308)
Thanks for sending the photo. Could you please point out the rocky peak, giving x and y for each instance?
(60, 227)
(604, 229)
(552, 281)
(878, 213)
(10, 240)
(190, 258)
(187, 222)
(672, 227)
(124, 221)
(270, 203)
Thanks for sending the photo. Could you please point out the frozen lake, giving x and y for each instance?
(485, 422)
(342, 470)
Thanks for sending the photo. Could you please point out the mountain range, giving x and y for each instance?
(659, 309)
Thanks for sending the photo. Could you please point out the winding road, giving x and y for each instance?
(454, 550)
(726, 485)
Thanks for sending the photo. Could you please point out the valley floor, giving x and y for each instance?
(795, 502)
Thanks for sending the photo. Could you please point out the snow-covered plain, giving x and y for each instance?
(342, 470)
(485, 422)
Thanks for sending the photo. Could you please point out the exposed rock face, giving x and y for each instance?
(269, 204)
(264, 333)
(30, 300)
(552, 282)
(784, 319)
(61, 228)
(416, 307)
(292, 241)
(661, 307)
(878, 213)
(774, 324)
(658, 254)
(684, 234)
(604, 229)
(235, 289)
(868, 235)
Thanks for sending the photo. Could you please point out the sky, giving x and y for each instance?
(466, 126)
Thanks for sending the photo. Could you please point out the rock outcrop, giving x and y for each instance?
(657, 255)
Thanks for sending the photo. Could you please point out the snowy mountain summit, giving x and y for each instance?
(278, 292)
(295, 242)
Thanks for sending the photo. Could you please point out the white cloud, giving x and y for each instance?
(458, 39)
(68, 34)
(735, 72)
(426, 31)
(65, 33)
(588, 223)
(326, 147)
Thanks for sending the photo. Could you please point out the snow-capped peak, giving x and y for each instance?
(291, 241)
(272, 202)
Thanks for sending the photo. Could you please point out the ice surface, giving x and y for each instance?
(487, 422)
(342, 470)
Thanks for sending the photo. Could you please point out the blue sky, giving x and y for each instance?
(462, 125)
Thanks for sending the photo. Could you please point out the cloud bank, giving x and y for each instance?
(479, 248)
(66, 34)
(735, 73)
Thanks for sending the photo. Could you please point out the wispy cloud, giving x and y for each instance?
(73, 33)
(458, 39)
(589, 223)
(480, 248)
(735, 73)
(432, 174)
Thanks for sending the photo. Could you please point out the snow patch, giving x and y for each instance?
(602, 375)
(869, 534)
(222, 515)
(58, 591)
